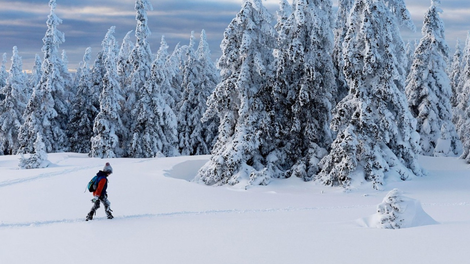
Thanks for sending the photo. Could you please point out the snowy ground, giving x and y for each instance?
(162, 217)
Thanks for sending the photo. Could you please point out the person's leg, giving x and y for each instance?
(92, 212)
(107, 207)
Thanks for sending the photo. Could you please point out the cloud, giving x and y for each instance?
(85, 22)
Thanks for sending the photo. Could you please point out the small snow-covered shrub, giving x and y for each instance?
(398, 211)
(35, 160)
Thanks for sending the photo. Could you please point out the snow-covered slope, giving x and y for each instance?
(162, 217)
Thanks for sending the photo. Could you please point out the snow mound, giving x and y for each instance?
(397, 211)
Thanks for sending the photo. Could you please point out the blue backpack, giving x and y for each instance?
(93, 184)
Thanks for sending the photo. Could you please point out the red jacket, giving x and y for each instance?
(102, 185)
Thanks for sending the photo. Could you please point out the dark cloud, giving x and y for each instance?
(85, 22)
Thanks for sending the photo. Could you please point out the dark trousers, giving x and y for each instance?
(96, 205)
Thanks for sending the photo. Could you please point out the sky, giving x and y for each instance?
(85, 23)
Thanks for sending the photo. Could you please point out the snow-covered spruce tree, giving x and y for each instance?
(46, 112)
(303, 88)
(141, 59)
(428, 86)
(12, 106)
(462, 91)
(3, 71)
(154, 132)
(454, 73)
(195, 138)
(243, 102)
(38, 157)
(283, 14)
(107, 128)
(170, 84)
(35, 76)
(210, 79)
(69, 89)
(174, 66)
(376, 132)
(124, 67)
(462, 110)
(340, 30)
(410, 51)
(83, 112)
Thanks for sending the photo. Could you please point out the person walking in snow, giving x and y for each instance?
(100, 193)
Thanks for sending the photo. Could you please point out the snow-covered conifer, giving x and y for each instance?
(46, 112)
(410, 51)
(462, 110)
(462, 90)
(454, 74)
(12, 106)
(170, 92)
(210, 79)
(154, 132)
(174, 66)
(69, 89)
(243, 102)
(36, 159)
(283, 14)
(376, 131)
(340, 30)
(303, 88)
(141, 59)
(428, 86)
(124, 67)
(83, 112)
(3, 71)
(107, 128)
(195, 138)
(35, 76)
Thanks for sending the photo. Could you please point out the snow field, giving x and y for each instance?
(162, 217)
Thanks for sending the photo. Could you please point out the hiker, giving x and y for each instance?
(100, 193)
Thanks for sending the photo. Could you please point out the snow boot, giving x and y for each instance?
(108, 213)
(90, 215)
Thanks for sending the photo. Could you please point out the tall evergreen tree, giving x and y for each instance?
(124, 67)
(155, 129)
(12, 107)
(170, 87)
(83, 112)
(69, 89)
(243, 102)
(141, 59)
(46, 111)
(454, 74)
(340, 30)
(303, 88)
(428, 86)
(410, 51)
(3, 71)
(376, 131)
(107, 128)
(35, 76)
(175, 65)
(210, 79)
(462, 91)
(199, 82)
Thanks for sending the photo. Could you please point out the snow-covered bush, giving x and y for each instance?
(37, 159)
(398, 211)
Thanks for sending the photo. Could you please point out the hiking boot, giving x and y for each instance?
(108, 213)
(89, 216)
(110, 216)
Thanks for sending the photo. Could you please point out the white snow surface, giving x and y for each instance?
(163, 217)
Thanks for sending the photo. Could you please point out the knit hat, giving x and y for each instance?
(108, 168)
